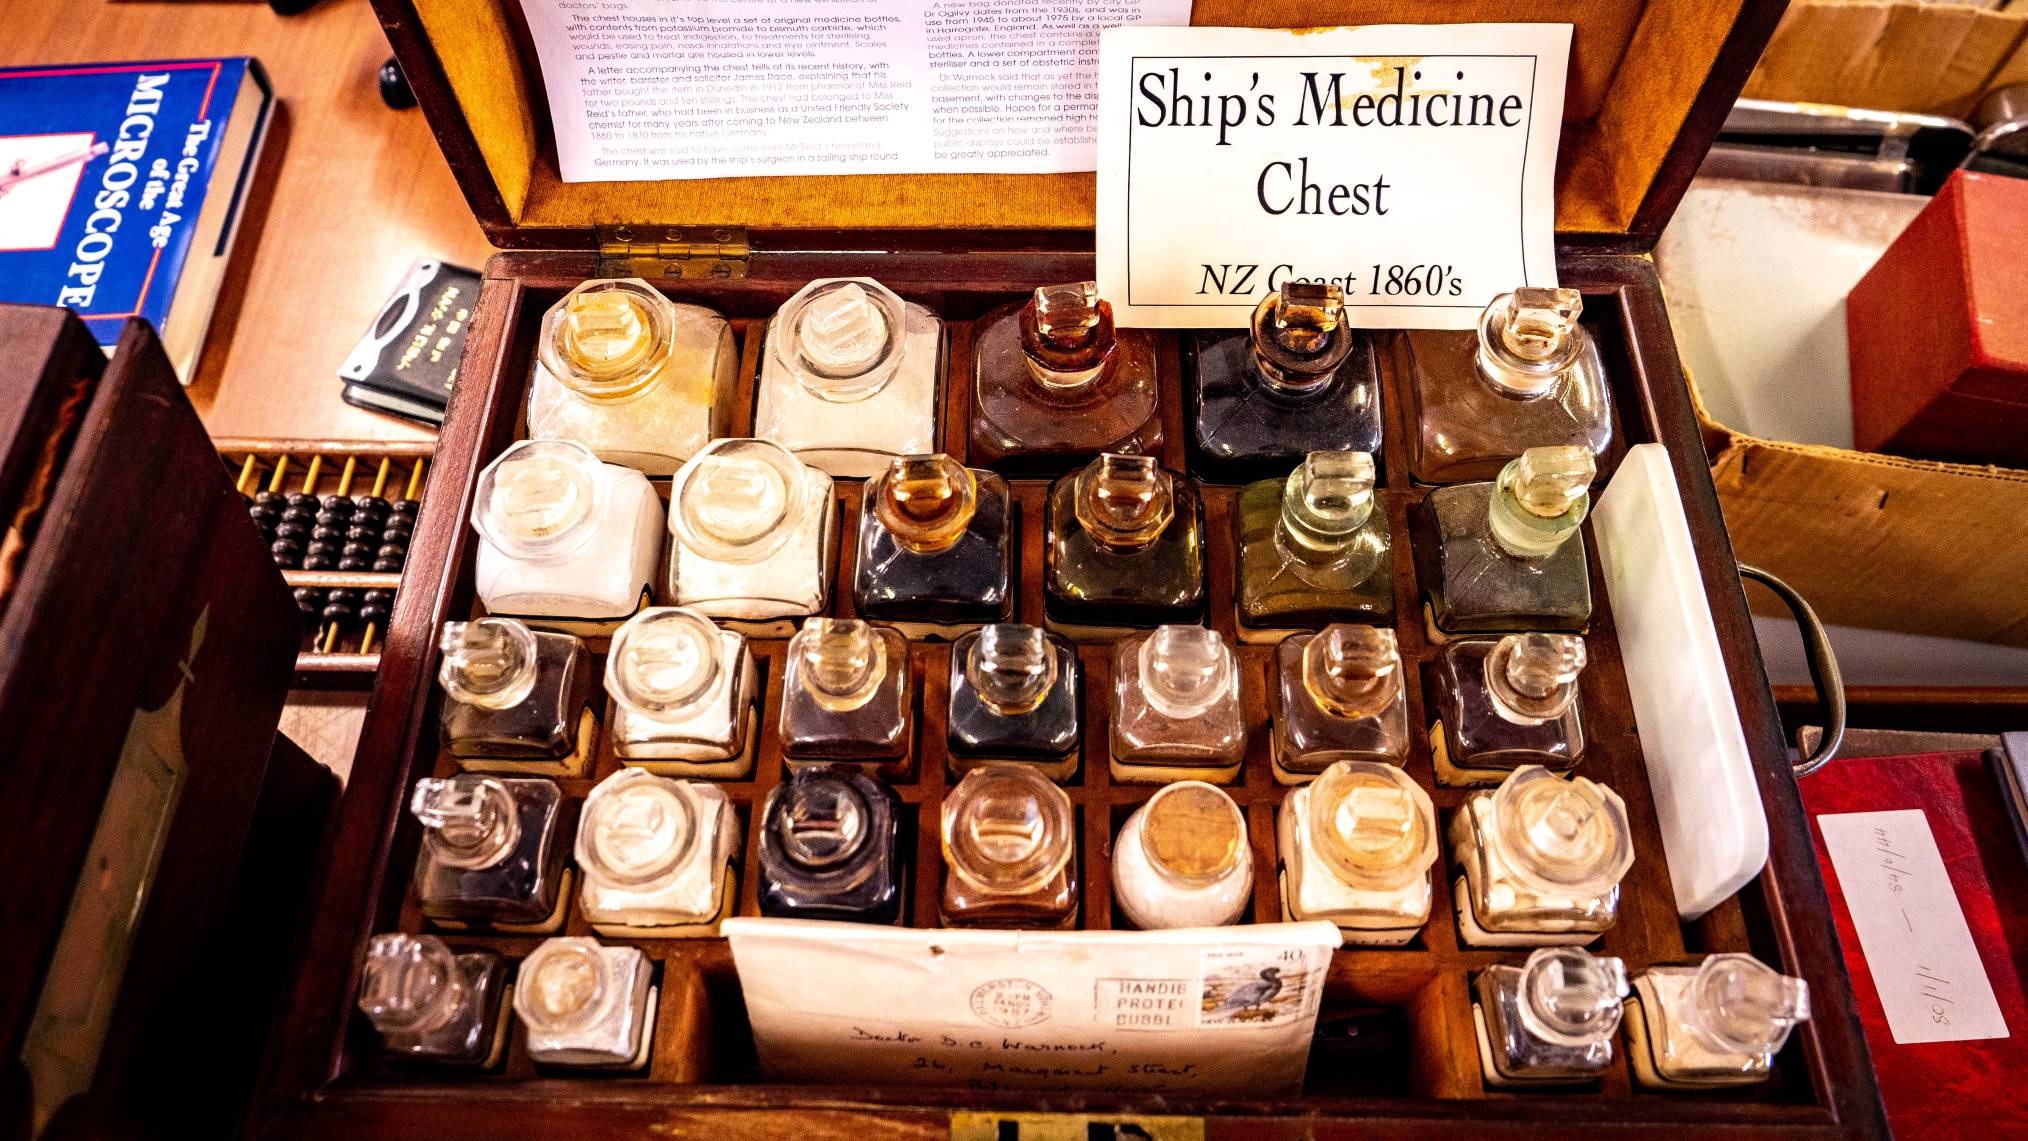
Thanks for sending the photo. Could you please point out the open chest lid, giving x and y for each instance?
(1650, 83)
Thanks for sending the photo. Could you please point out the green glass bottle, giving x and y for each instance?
(1313, 550)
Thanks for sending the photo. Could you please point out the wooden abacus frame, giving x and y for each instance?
(331, 655)
(327, 1079)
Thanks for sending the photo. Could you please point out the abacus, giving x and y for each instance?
(338, 517)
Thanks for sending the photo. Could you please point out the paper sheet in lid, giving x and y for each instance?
(1208, 1012)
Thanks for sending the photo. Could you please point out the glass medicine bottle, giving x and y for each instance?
(568, 542)
(1014, 697)
(1338, 696)
(1183, 860)
(846, 700)
(583, 1004)
(655, 857)
(684, 695)
(516, 699)
(1056, 384)
(491, 852)
(1718, 1023)
(638, 379)
(1176, 711)
(1313, 549)
(1356, 848)
(1009, 842)
(1550, 1021)
(830, 848)
(754, 530)
(432, 1005)
(1503, 703)
(1124, 549)
(1541, 859)
(936, 546)
(1508, 555)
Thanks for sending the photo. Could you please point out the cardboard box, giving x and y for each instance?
(1939, 59)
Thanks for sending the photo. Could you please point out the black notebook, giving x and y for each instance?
(407, 363)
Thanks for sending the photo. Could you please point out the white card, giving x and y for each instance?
(1917, 945)
(1413, 165)
(1208, 1012)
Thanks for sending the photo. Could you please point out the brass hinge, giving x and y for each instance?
(659, 252)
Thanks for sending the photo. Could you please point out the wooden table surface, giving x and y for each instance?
(351, 193)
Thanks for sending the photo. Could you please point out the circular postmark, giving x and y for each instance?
(1011, 1003)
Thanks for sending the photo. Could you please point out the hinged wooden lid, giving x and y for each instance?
(1649, 86)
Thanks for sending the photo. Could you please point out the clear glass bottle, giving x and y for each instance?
(830, 848)
(491, 852)
(1175, 708)
(1014, 697)
(635, 377)
(684, 695)
(936, 546)
(1718, 1023)
(1300, 381)
(656, 857)
(1550, 1021)
(1356, 849)
(516, 699)
(1530, 376)
(1057, 384)
(754, 532)
(845, 698)
(1313, 549)
(851, 377)
(431, 1004)
(1503, 703)
(1009, 838)
(587, 1005)
(1183, 860)
(568, 541)
(1508, 555)
(1338, 696)
(1541, 859)
(1124, 549)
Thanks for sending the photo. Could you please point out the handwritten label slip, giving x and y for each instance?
(1918, 947)
(1414, 166)
(1218, 1012)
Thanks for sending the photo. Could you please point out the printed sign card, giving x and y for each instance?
(1209, 1012)
(1412, 165)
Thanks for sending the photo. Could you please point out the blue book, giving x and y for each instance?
(121, 186)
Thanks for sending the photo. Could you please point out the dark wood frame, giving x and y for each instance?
(309, 1090)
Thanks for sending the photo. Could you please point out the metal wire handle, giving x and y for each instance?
(1823, 664)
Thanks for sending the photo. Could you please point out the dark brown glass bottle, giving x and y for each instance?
(1057, 384)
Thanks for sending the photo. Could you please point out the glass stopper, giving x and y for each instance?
(738, 500)
(1006, 828)
(1327, 499)
(1740, 1005)
(825, 820)
(1067, 334)
(608, 338)
(1373, 824)
(1532, 678)
(1124, 501)
(842, 338)
(488, 662)
(637, 827)
(540, 500)
(1562, 836)
(470, 821)
(1066, 314)
(1570, 996)
(1529, 337)
(1299, 338)
(1540, 498)
(926, 502)
(841, 661)
(562, 985)
(410, 984)
(1012, 666)
(663, 660)
(1193, 832)
(1186, 670)
(1352, 671)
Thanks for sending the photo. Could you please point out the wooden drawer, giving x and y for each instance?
(326, 1080)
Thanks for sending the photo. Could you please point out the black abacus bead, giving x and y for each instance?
(395, 551)
(356, 551)
(336, 505)
(295, 529)
(387, 566)
(375, 606)
(287, 553)
(321, 549)
(342, 605)
(355, 564)
(372, 505)
(268, 499)
(406, 508)
(301, 501)
(333, 519)
(322, 534)
(320, 562)
(310, 601)
(362, 533)
(266, 514)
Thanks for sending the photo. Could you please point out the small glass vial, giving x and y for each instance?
(1356, 849)
(1508, 555)
(1541, 859)
(1504, 703)
(845, 698)
(1182, 860)
(569, 542)
(491, 852)
(1719, 1023)
(516, 699)
(936, 547)
(1057, 384)
(754, 532)
(626, 372)
(1313, 549)
(656, 857)
(1300, 381)
(433, 1005)
(1175, 711)
(1014, 697)
(1550, 1021)
(830, 848)
(1125, 548)
(684, 696)
(586, 1005)
(1338, 696)
(1009, 836)
(1530, 376)
(851, 377)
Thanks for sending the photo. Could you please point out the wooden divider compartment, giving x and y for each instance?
(328, 1077)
